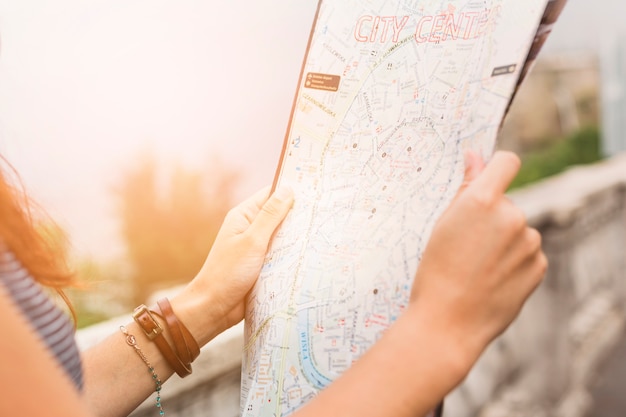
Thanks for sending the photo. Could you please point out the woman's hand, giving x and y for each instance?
(214, 300)
(482, 261)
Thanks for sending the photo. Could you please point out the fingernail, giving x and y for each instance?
(284, 192)
(470, 157)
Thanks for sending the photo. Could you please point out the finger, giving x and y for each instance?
(526, 245)
(530, 275)
(272, 213)
(498, 173)
(259, 198)
(251, 206)
(474, 165)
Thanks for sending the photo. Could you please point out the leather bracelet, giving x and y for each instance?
(153, 330)
(184, 342)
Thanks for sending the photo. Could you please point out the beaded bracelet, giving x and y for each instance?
(132, 342)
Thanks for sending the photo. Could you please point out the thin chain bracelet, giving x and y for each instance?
(132, 342)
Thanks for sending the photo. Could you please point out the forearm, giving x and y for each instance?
(117, 380)
(406, 373)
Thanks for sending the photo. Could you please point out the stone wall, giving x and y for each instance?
(547, 360)
(544, 364)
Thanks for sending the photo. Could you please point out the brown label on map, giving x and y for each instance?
(322, 81)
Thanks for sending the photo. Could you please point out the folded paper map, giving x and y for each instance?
(390, 95)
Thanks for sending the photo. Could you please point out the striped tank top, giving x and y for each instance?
(51, 324)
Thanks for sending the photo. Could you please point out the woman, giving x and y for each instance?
(468, 289)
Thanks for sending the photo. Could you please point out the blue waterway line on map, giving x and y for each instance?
(312, 374)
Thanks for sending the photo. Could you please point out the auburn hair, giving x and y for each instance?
(25, 229)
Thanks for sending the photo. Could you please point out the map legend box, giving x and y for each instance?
(319, 81)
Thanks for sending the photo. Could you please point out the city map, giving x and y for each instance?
(391, 94)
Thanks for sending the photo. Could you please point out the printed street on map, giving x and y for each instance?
(391, 94)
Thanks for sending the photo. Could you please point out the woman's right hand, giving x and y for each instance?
(482, 261)
(480, 265)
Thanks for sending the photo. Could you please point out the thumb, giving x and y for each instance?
(272, 213)
(474, 165)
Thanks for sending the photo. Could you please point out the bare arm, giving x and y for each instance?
(481, 264)
(469, 287)
(117, 380)
(33, 384)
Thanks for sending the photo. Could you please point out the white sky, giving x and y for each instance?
(86, 84)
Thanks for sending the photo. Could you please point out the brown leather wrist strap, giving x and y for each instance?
(184, 343)
(153, 330)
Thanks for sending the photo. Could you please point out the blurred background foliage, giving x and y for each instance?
(555, 155)
(169, 220)
(555, 120)
(170, 215)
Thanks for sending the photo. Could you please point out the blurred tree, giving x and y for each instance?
(169, 225)
(578, 148)
(102, 292)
